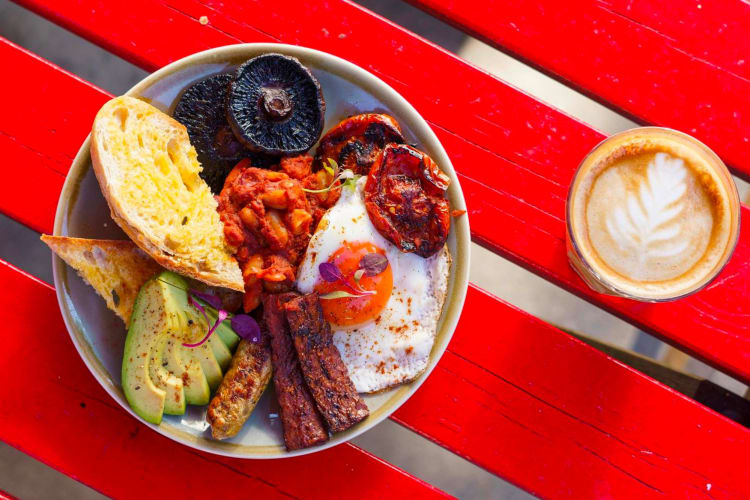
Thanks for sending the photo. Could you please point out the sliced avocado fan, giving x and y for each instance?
(159, 374)
(148, 325)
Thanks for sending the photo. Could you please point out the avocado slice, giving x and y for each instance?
(210, 366)
(221, 352)
(194, 326)
(164, 379)
(208, 363)
(215, 355)
(148, 324)
(172, 385)
(180, 360)
(224, 330)
(188, 368)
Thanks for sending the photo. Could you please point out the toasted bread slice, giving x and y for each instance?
(148, 172)
(116, 269)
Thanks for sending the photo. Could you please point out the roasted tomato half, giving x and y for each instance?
(356, 142)
(405, 199)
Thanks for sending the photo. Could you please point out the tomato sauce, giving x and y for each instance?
(269, 219)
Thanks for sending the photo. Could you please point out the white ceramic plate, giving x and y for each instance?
(99, 335)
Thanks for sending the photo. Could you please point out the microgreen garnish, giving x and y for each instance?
(370, 264)
(346, 175)
(222, 315)
(246, 327)
(332, 167)
(198, 306)
(330, 272)
(358, 275)
(333, 170)
(373, 264)
(341, 294)
(351, 182)
(209, 298)
(242, 324)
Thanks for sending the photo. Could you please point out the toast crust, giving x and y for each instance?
(116, 269)
(225, 272)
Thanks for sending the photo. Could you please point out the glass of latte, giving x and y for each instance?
(652, 214)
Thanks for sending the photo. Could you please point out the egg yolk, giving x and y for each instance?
(347, 311)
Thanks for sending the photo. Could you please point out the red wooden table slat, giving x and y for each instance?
(543, 406)
(559, 418)
(479, 444)
(39, 141)
(475, 447)
(516, 155)
(64, 418)
(683, 64)
(460, 374)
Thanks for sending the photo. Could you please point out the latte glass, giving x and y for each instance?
(652, 215)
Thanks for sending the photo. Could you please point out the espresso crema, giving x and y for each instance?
(652, 214)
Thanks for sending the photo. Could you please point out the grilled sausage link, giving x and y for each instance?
(240, 390)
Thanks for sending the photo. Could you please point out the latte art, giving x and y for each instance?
(651, 215)
(648, 225)
(648, 217)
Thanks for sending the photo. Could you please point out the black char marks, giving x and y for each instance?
(355, 142)
(324, 371)
(303, 425)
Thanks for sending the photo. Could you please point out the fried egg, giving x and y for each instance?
(385, 334)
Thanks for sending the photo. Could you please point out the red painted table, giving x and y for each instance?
(516, 396)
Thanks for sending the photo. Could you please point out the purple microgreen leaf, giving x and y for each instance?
(358, 275)
(373, 263)
(221, 317)
(198, 306)
(209, 298)
(246, 327)
(330, 272)
(341, 294)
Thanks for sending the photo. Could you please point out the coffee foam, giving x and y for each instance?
(652, 213)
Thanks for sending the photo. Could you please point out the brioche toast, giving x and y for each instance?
(148, 173)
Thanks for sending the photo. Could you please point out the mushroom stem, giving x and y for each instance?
(276, 103)
(225, 143)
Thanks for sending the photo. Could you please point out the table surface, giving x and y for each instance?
(516, 396)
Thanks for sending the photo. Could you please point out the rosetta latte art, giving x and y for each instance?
(652, 215)
(649, 225)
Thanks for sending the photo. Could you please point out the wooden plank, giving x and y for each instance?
(6, 496)
(678, 380)
(681, 64)
(532, 403)
(454, 439)
(516, 156)
(703, 391)
(47, 114)
(443, 431)
(64, 418)
(561, 419)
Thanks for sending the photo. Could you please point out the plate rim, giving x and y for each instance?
(451, 310)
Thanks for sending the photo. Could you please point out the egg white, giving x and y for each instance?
(395, 347)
